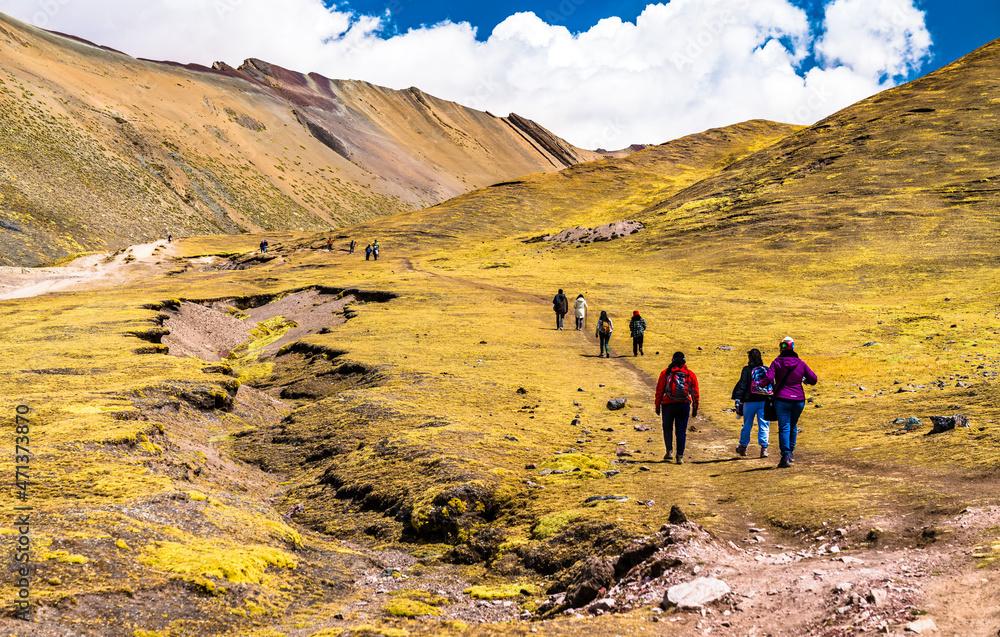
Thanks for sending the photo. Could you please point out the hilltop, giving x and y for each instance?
(307, 444)
(101, 150)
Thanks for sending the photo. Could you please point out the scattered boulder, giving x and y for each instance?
(602, 606)
(676, 515)
(696, 594)
(922, 626)
(947, 423)
(588, 579)
(617, 403)
(531, 466)
(870, 344)
(878, 597)
(521, 390)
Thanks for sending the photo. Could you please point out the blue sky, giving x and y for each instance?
(600, 74)
(957, 27)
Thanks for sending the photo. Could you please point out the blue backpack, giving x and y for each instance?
(757, 380)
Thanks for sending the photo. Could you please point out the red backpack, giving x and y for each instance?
(677, 388)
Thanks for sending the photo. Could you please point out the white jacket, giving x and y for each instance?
(581, 307)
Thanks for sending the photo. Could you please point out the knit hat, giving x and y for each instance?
(787, 343)
(635, 312)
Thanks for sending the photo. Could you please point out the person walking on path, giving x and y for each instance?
(329, 244)
(353, 243)
(263, 246)
(604, 329)
(375, 248)
(580, 311)
(170, 238)
(560, 304)
(368, 252)
(787, 373)
(751, 394)
(637, 326)
(676, 400)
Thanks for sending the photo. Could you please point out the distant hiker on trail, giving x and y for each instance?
(580, 309)
(170, 238)
(560, 304)
(329, 245)
(604, 329)
(787, 373)
(368, 252)
(353, 243)
(263, 246)
(375, 249)
(676, 399)
(751, 393)
(637, 326)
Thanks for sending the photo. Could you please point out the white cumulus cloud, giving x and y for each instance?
(681, 67)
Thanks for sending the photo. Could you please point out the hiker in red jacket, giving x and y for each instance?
(676, 399)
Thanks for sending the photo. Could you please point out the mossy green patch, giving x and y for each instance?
(503, 591)
(222, 560)
(404, 607)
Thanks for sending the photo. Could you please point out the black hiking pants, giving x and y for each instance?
(637, 345)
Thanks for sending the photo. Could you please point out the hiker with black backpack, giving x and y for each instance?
(751, 394)
(676, 400)
(560, 305)
(637, 326)
(604, 329)
(787, 373)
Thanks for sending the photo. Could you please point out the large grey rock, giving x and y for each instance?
(617, 403)
(695, 594)
(947, 423)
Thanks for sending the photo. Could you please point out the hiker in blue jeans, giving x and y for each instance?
(750, 396)
(788, 372)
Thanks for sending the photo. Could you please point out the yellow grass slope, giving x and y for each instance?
(412, 424)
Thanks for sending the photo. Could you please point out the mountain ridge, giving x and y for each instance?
(186, 149)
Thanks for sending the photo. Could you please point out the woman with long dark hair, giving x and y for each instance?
(751, 395)
(788, 372)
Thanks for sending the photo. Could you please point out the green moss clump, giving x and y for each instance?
(410, 608)
(589, 466)
(239, 565)
(552, 524)
(500, 592)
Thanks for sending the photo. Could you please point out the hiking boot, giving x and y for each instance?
(642, 353)
(791, 457)
(740, 449)
(784, 464)
(680, 460)
(668, 456)
(763, 452)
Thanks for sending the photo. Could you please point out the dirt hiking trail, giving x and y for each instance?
(86, 272)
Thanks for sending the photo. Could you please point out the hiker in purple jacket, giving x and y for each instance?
(788, 372)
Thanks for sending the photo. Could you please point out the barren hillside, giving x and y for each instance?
(100, 150)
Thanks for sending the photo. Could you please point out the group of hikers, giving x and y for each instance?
(605, 326)
(371, 250)
(763, 393)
